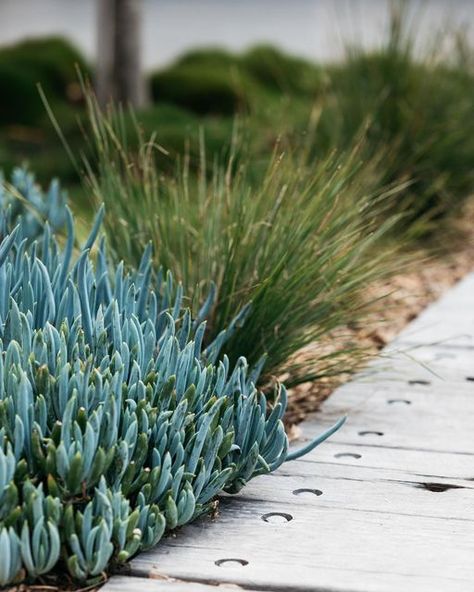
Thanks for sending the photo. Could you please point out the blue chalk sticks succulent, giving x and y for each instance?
(116, 424)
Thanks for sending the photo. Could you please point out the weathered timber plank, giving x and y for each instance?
(363, 489)
(407, 405)
(325, 549)
(410, 462)
(450, 321)
(440, 421)
(421, 362)
(431, 333)
(134, 584)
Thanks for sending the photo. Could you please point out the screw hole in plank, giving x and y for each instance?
(438, 487)
(397, 401)
(304, 490)
(370, 433)
(277, 517)
(470, 378)
(231, 562)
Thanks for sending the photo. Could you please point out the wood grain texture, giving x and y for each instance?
(386, 505)
(436, 363)
(134, 584)
(439, 421)
(449, 322)
(404, 492)
(326, 548)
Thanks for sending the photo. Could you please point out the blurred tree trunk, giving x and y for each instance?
(119, 72)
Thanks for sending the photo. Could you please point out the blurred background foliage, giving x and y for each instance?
(421, 106)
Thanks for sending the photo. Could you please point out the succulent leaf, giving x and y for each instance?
(115, 424)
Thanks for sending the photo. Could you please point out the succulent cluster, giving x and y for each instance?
(29, 206)
(116, 425)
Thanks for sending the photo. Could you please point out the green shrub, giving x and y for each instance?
(203, 90)
(210, 57)
(19, 101)
(214, 81)
(116, 425)
(278, 71)
(50, 62)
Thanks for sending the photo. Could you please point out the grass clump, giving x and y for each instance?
(414, 104)
(290, 250)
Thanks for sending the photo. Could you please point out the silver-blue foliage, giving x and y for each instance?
(29, 205)
(116, 425)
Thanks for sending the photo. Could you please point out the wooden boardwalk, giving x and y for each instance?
(387, 505)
